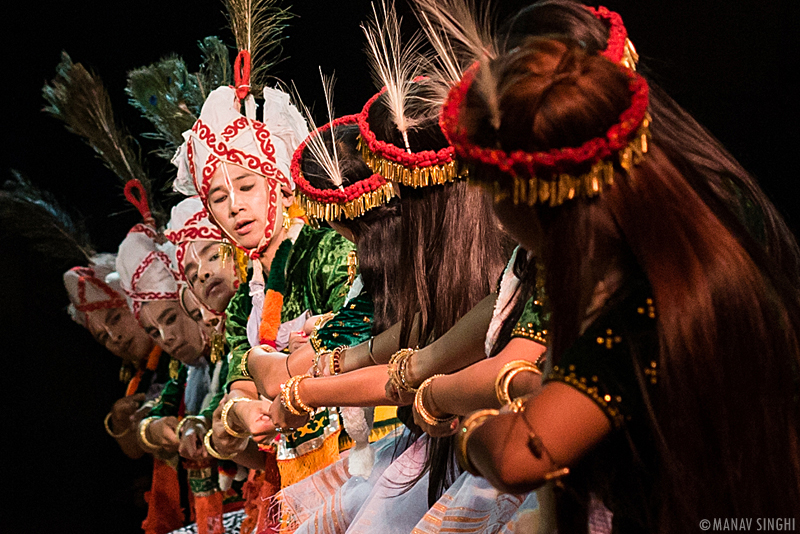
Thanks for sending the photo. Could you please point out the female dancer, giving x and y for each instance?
(657, 279)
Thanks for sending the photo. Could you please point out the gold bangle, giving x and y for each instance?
(226, 408)
(335, 361)
(106, 423)
(419, 405)
(243, 364)
(211, 450)
(186, 419)
(286, 395)
(397, 369)
(470, 424)
(296, 395)
(507, 373)
(143, 426)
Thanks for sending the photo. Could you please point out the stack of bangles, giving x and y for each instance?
(419, 406)
(504, 378)
(226, 408)
(398, 365)
(290, 396)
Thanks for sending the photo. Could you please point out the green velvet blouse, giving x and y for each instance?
(316, 280)
(615, 354)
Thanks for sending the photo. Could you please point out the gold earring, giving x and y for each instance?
(287, 221)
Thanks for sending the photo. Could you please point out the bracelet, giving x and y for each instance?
(107, 424)
(211, 450)
(243, 364)
(371, 355)
(419, 405)
(286, 395)
(226, 409)
(186, 419)
(507, 373)
(397, 369)
(288, 372)
(470, 424)
(541, 360)
(336, 360)
(538, 449)
(296, 395)
(143, 426)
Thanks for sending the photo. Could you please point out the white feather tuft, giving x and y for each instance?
(461, 34)
(328, 158)
(393, 64)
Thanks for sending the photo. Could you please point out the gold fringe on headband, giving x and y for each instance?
(415, 177)
(562, 187)
(349, 210)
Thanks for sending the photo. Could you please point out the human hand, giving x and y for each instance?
(191, 441)
(161, 433)
(440, 430)
(397, 395)
(284, 419)
(224, 443)
(297, 340)
(123, 410)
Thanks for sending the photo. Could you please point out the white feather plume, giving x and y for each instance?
(327, 157)
(393, 64)
(461, 33)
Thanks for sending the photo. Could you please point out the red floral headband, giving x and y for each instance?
(415, 169)
(619, 49)
(628, 139)
(333, 204)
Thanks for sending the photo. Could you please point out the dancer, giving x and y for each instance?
(638, 345)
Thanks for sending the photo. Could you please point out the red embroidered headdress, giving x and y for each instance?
(88, 290)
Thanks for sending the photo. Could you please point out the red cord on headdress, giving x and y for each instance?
(241, 74)
(141, 202)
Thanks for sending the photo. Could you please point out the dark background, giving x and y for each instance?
(732, 64)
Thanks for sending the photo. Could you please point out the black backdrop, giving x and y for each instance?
(730, 63)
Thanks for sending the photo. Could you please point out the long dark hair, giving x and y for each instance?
(435, 253)
(726, 409)
(712, 171)
(377, 231)
(455, 251)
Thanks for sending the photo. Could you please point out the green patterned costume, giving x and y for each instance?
(316, 280)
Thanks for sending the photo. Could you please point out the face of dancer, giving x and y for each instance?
(211, 276)
(199, 313)
(239, 203)
(170, 327)
(118, 330)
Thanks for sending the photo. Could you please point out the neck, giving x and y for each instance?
(279, 237)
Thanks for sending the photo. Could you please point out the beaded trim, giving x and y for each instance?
(528, 332)
(416, 176)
